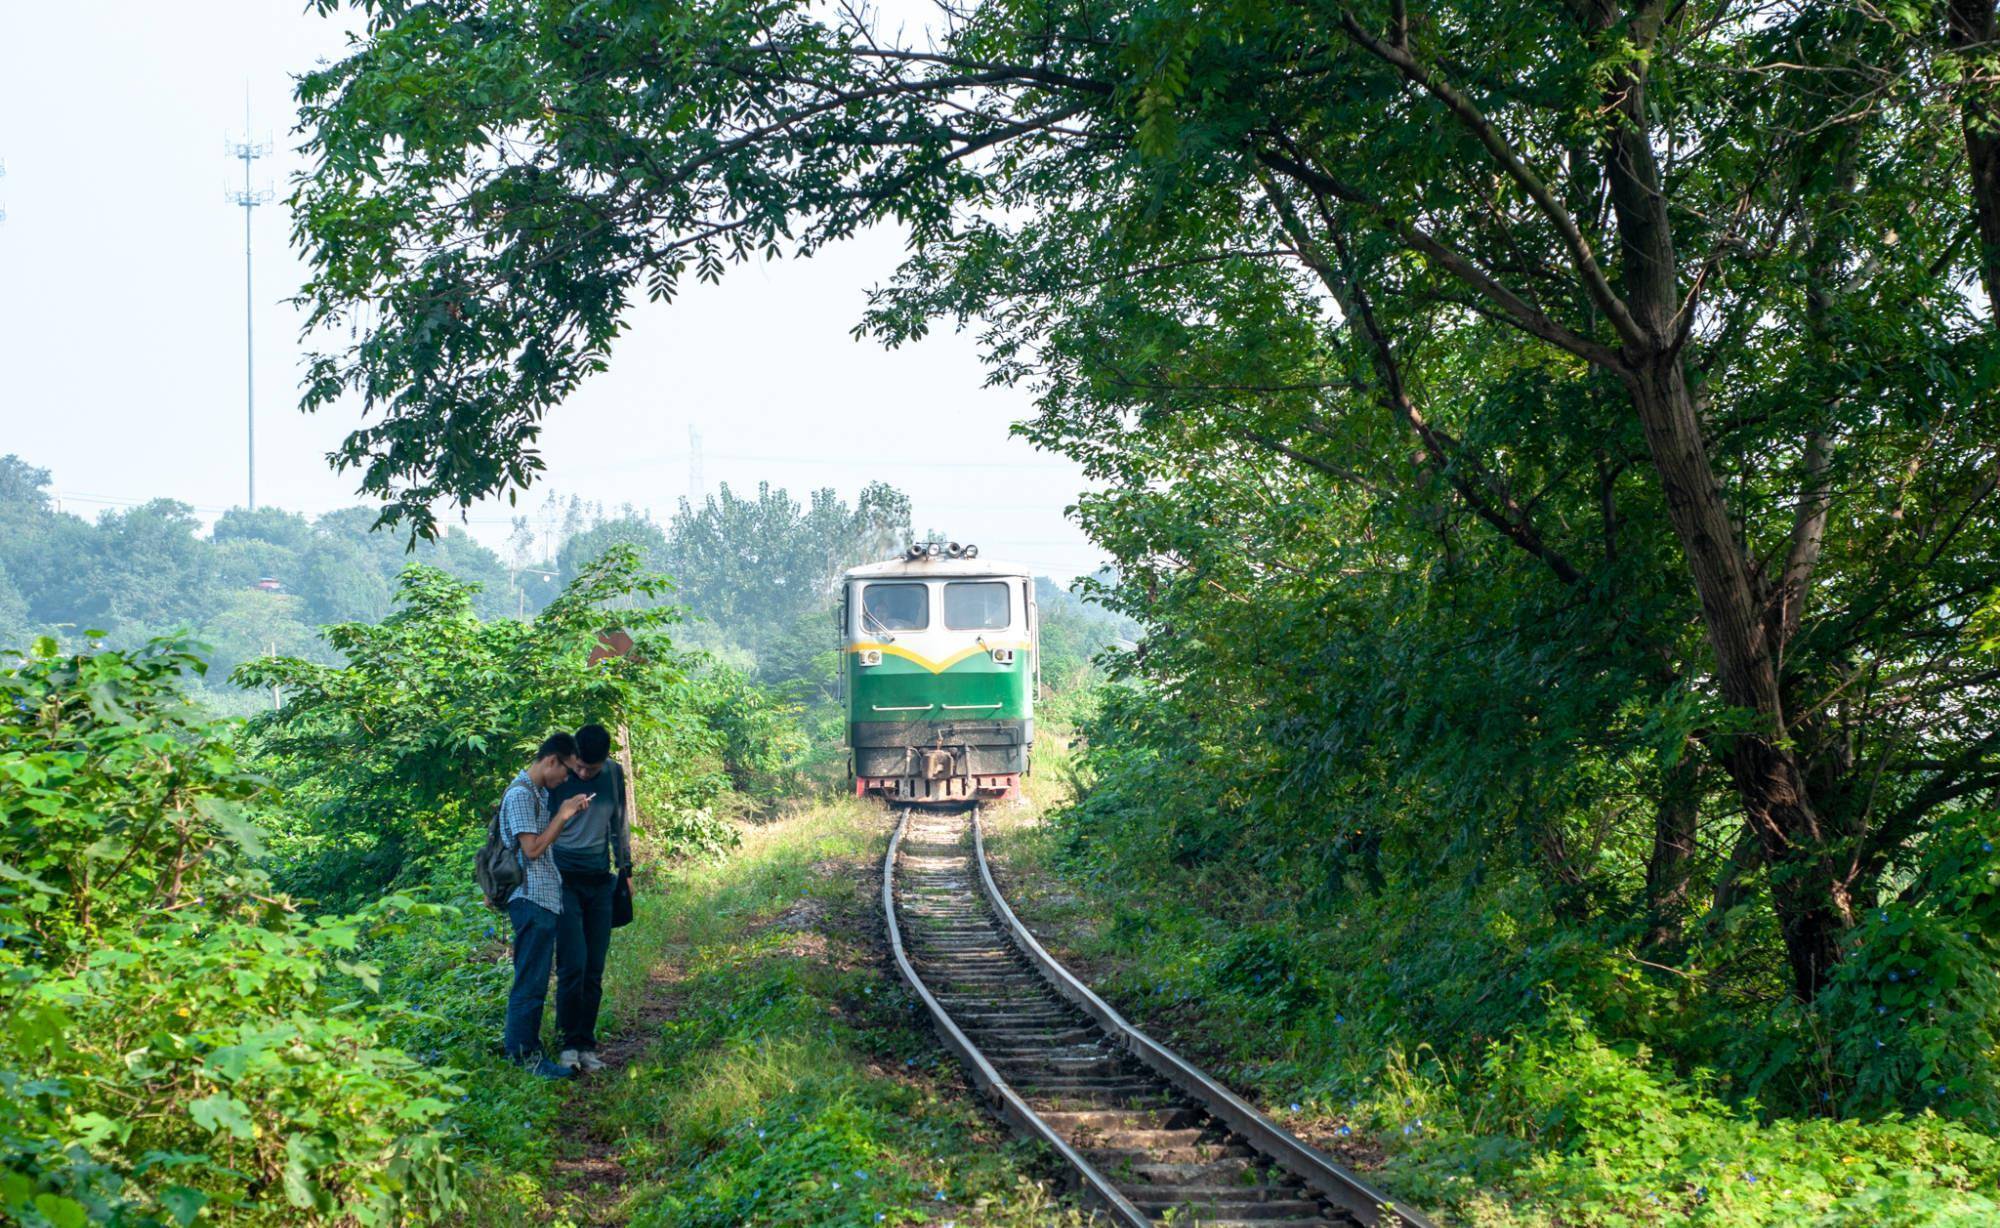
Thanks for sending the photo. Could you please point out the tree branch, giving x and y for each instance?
(1594, 281)
(1516, 310)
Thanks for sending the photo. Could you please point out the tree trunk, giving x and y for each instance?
(1812, 909)
(1812, 906)
(1972, 30)
(1669, 868)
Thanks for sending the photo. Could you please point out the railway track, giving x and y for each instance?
(1149, 1137)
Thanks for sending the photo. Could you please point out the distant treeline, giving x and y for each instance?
(755, 571)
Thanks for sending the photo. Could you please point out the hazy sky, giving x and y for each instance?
(121, 316)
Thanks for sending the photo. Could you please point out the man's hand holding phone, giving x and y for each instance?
(574, 806)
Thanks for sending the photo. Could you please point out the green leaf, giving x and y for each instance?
(223, 1111)
(10, 874)
(228, 817)
(62, 1212)
(183, 1203)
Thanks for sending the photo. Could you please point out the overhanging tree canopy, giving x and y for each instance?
(1691, 306)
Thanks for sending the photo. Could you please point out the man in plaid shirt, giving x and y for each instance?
(529, 829)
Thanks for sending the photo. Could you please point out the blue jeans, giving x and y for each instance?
(583, 935)
(535, 931)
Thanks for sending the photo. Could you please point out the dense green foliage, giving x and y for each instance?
(1504, 1072)
(393, 760)
(180, 1036)
(1551, 450)
(173, 1035)
(149, 571)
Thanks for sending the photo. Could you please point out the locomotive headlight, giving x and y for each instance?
(871, 656)
(1003, 656)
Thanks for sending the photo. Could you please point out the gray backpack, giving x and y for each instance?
(497, 868)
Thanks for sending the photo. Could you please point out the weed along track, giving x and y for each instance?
(1150, 1138)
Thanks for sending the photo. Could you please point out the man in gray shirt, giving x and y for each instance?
(585, 852)
(531, 825)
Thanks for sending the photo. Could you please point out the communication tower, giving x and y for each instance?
(248, 150)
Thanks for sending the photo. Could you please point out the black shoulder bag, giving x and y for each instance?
(621, 895)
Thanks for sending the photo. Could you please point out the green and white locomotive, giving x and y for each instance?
(939, 671)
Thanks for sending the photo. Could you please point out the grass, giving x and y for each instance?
(772, 1071)
(767, 1065)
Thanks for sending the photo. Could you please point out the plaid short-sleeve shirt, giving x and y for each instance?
(525, 811)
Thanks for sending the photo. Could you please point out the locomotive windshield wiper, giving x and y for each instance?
(868, 617)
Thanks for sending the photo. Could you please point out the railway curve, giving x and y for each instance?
(1148, 1136)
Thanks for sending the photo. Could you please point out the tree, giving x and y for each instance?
(629, 529)
(49, 555)
(13, 613)
(396, 754)
(1667, 302)
(764, 569)
(149, 569)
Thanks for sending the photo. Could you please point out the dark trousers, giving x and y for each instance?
(535, 938)
(583, 935)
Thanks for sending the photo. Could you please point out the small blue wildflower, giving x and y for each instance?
(1894, 977)
(1750, 1177)
(1295, 1106)
(1986, 846)
(1344, 1131)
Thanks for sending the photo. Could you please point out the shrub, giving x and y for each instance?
(173, 1035)
(393, 759)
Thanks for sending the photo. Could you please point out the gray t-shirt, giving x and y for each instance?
(587, 841)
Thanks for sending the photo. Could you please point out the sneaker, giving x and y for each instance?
(569, 1058)
(543, 1068)
(588, 1061)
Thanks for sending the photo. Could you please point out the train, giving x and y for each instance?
(938, 673)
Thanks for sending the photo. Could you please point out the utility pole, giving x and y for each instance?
(248, 151)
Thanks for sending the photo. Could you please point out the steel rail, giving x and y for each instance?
(1014, 1110)
(1342, 1188)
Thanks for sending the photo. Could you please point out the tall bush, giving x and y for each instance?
(174, 1035)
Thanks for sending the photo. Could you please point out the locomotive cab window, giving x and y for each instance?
(895, 607)
(977, 605)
